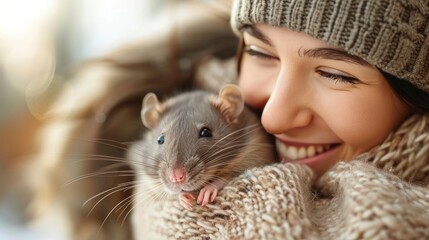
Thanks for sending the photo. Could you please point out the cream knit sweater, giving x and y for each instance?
(382, 195)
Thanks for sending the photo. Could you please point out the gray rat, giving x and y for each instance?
(197, 141)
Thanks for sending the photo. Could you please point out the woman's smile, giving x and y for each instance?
(318, 157)
(299, 151)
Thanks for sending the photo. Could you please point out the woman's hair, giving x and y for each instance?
(414, 97)
(239, 53)
(417, 99)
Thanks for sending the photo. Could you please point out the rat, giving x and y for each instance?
(196, 142)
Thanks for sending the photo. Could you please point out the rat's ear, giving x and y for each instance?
(151, 110)
(230, 102)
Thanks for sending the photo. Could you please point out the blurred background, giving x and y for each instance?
(43, 45)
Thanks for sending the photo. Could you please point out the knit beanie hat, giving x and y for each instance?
(392, 35)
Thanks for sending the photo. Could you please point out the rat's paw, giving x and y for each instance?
(187, 200)
(207, 194)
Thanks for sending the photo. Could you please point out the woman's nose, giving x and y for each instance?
(289, 105)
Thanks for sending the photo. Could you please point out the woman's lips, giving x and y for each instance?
(293, 152)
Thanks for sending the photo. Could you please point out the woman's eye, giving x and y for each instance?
(338, 77)
(161, 139)
(205, 132)
(254, 51)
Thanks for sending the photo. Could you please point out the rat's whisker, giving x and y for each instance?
(232, 133)
(222, 179)
(104, 141)
(112, 143)
(117, 173)
(93, 157)
(122, 187)
(131, 200)
(238, 144)
(123, 204)
(79, 158)
(219, 154)
(150, 174)
(130, 203)
(149, 166)
(212, 178)
(113, 210)
(238, 138)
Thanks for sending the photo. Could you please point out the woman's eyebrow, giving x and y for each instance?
(253, 31)
(332, 54)
(325, 53)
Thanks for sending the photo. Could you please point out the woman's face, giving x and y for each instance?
(322, 104)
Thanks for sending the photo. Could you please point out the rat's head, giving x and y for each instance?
(193, 136)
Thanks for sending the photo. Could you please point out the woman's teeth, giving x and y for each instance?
(295, 153)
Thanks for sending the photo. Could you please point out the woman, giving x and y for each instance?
(325, 95)
(343, 85)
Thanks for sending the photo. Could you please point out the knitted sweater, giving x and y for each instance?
(383, 194)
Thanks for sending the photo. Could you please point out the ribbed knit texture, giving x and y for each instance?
(383, 196)
(390, 34)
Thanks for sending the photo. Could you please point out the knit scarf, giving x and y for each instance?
(383, 194)
(405, 152)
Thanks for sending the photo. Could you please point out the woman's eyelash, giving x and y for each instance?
(258, 54)
(338, 78)
(332, 76)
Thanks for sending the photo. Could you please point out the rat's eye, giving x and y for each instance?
(205, 132)
(161, 139)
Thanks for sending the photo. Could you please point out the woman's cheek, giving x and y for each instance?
(362, 125)
(256, 83)
(249, 84)
(251, 95)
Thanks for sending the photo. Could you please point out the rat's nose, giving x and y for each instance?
(177, 175)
